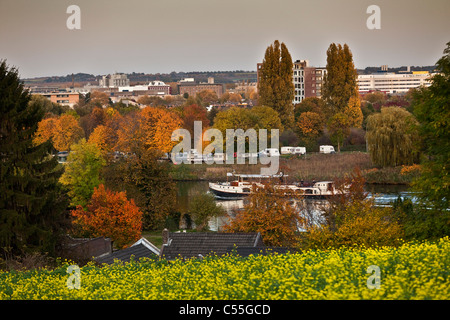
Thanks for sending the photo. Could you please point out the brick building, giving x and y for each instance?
(190, 87)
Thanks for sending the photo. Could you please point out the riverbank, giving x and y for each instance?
(314, 166)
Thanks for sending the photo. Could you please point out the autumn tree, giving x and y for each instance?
(32, 202)
(151, 101)
(90, 121)
(310, 125)
(275, 86)
(207, 97)
(82, 172)
(148, 182)
(67, 131)
(45, 131)
(104, 138)
(340, 79)
(63, 131)
(109, 214)
(392, 137)
(99, 99)
(352, 219)
(148, 129)
(269, 212)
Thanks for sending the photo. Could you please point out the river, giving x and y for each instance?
(384, 195)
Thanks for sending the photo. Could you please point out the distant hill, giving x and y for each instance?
(370, 70)
(200, 76)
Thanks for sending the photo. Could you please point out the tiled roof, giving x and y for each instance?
(140, 249)
(198, 244)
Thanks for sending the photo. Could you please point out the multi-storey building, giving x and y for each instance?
(115, 80)
(190, 87)
(307, 80)
(62, 97)
(393, 82)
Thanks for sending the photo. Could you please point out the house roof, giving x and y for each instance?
(140, 249)
(198, 244)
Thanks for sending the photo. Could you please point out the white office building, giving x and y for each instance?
(393, 82)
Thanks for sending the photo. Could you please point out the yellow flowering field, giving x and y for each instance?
(411, 271)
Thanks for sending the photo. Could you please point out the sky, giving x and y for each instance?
(213, 35)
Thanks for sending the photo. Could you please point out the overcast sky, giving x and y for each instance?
(213, 35)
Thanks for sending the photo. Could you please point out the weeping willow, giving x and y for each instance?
(392, 137)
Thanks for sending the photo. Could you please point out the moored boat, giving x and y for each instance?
(243, 186)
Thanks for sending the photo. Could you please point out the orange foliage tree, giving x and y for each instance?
(148, 129)
(45, 130)
(109, 214)
(270, 213)
(63, 131)
(104, 138)
(310, 125)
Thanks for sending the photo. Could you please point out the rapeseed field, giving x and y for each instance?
(410, 271)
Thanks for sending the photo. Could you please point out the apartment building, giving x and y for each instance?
(307, 80)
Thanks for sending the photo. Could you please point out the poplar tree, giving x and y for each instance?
(31, 201)
(340, 79)
(275, 85)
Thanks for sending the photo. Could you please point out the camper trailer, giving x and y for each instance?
(299, 150)
(287, 150)
(327, 149)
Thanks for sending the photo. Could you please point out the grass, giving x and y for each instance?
(154, 237)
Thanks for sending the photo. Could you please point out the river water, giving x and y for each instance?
(384, 195)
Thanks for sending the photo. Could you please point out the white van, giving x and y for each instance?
(287, 150)
(299, 150)
(327, 149)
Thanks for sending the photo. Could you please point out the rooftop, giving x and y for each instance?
(199, 244)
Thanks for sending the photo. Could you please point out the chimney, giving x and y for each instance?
(165, 236)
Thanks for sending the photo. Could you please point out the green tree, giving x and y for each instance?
(275, 86)
(202, 208)
(392, 137)
(82, 172)
(32, 204)
(432, 109)
(260, 117)
(339, 128)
